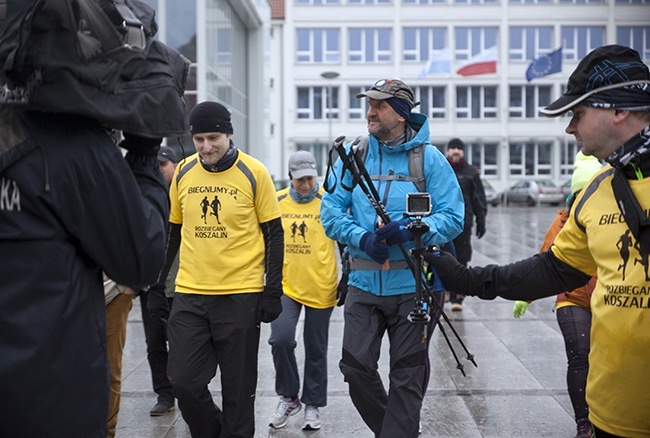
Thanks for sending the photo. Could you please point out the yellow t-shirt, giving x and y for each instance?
(309, 274)
(222, 245)
(596, 240)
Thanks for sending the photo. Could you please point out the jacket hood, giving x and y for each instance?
(420, 124)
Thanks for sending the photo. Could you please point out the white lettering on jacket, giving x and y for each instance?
(9, 195)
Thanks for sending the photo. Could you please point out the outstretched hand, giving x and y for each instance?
(456, 277)
(519, 309)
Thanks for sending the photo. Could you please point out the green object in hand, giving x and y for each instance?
(519, 309)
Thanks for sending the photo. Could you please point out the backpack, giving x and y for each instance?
(416, 165)
(96, 58)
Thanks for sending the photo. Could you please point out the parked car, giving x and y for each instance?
(534, 191)
(566, 188)
(493, 198)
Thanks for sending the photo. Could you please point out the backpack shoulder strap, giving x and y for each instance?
(416, 167)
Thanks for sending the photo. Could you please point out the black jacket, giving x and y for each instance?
(469, 179)
(70, 207)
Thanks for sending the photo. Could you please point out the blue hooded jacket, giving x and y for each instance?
(347, 216)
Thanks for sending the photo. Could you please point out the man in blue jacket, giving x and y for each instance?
(380, 297)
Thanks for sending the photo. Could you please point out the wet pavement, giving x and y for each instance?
(518, 389)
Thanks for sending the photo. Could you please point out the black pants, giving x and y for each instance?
(206, 331)
(599, 433)
(155, 335)
(575, 324)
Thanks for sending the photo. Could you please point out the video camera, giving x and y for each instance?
(418, 204)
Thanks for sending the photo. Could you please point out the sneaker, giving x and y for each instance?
(312, 418)
(583, 428)
(456, 307)
(286, 408)
(420, 426)
(447, 296)
(161, 408)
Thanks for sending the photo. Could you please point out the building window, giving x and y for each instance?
(370, 45)
(357, 108)
(472, 40)
(568, 151)
(483, 156)
(580, 40)
(530, 1)
(369, 2)
(581, 2)
(313, 105)
(422, 2)
(318, 2)
(527, 100)
(422, 42)
(633, 1)
(636, 37)
(530, 158)
(473, 2)
(530, 42)
(432, 101)
(317, 45)
(476, 102)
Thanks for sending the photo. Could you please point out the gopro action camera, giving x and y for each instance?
(418, 204)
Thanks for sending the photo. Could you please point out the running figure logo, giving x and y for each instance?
(643, 260)
(215, 205)
(623, 245)
(204, 207)
(303, 230)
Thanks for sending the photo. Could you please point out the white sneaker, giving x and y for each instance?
(312, 418)
(286, 408)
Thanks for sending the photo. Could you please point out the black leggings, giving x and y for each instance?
(575, 324)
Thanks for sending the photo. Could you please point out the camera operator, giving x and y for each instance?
(380, 298)
(71, 208)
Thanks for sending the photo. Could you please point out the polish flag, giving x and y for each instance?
(482, 63)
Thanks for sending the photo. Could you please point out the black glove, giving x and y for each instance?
(480, 229)
(157, 304)
(342, 290)
(376, 249)
(269, 307)
(137, 144)
(456, 277)
(395, 233)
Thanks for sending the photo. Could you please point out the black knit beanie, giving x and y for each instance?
(456, 143)
(210, 117)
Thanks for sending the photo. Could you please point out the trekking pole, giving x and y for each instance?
(360, 177)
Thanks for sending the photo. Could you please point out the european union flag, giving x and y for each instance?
(545, 65)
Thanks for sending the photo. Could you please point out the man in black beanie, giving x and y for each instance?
(469, 179)
(230, 276)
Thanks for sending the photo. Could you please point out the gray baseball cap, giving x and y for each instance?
(301, 164)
